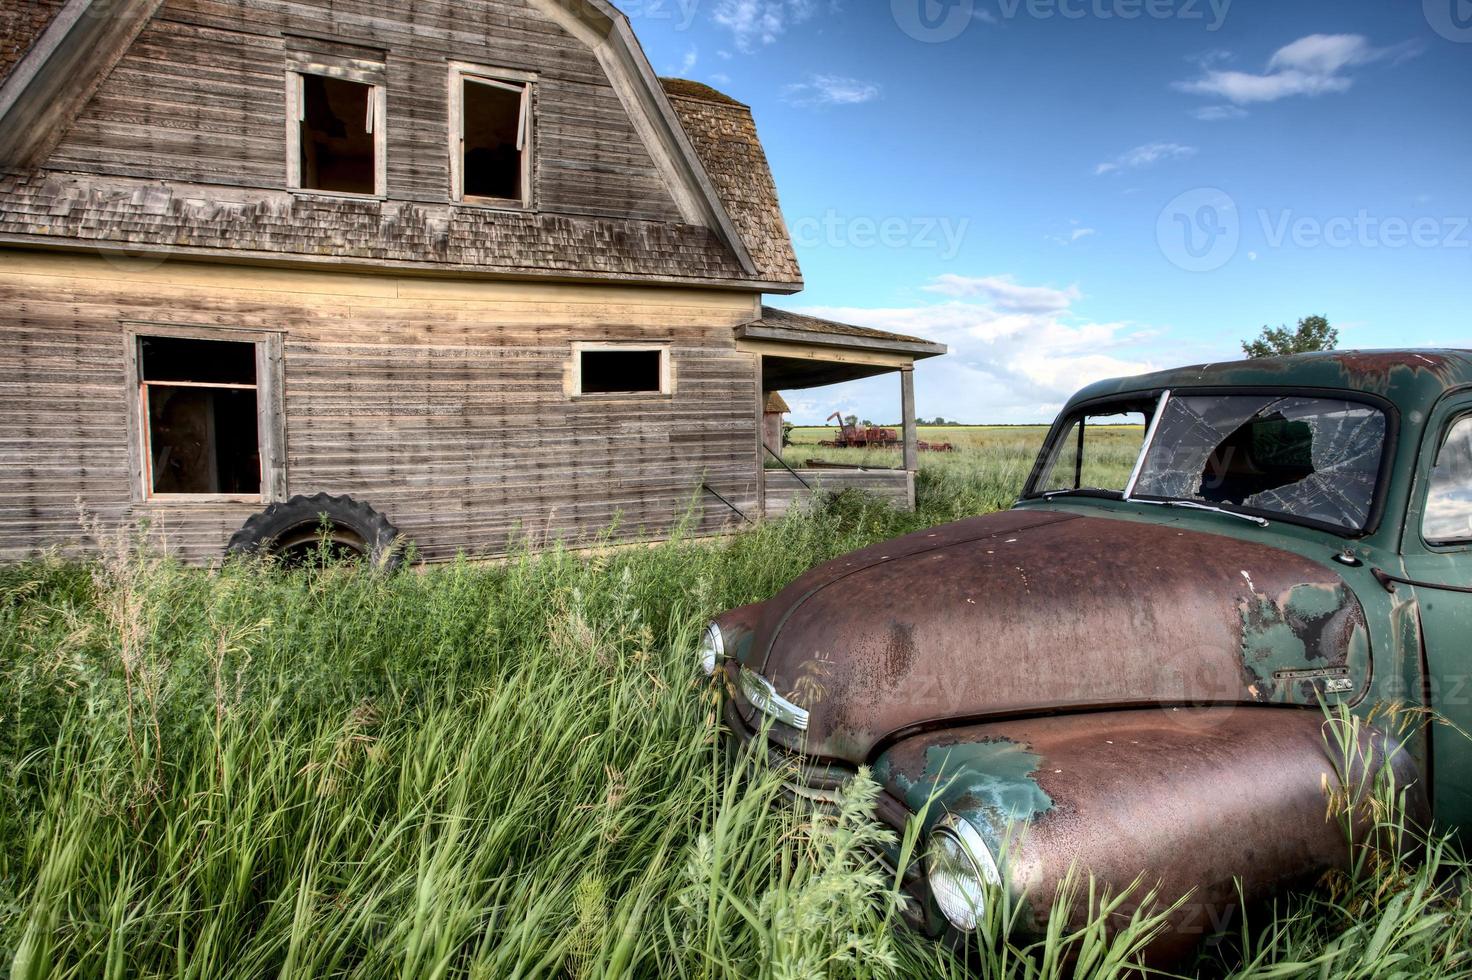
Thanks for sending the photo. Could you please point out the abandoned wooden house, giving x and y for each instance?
(461, 268)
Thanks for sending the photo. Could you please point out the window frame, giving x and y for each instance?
(1082, 418)
(1459, 415)
(296, 106)
(666, 371)
(508, 78)
(270, 415)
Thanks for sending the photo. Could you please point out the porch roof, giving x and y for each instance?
(802, 351)
(783, 325)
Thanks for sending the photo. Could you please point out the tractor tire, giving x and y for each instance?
(296, 531)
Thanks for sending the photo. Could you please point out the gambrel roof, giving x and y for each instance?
(724, 135)
(725, 226)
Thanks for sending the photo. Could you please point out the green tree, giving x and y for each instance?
(1313, 333)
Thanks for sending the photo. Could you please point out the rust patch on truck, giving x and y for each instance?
(1140, 794)
(1057, 611)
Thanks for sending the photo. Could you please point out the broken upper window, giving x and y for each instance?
(200, 416)
(1097, 452)
(494, 130)
(337, 135)
(621, 371)
(1316, 459)
(1448, 517)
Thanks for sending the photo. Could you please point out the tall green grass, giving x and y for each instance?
(493, 771)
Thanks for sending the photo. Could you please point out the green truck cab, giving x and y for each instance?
(1126, 674)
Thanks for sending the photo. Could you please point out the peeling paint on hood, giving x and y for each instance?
(1027, 611)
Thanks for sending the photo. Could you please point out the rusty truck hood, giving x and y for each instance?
(1029, 611)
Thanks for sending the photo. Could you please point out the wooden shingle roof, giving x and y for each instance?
(724, 136)
(21, 22)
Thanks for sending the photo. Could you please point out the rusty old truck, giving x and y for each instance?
(1129, 673)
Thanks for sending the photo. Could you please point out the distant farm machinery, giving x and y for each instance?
(851, 435)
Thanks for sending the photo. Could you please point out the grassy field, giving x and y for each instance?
(499, 771)
(988, 467)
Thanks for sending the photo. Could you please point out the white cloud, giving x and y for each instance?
(1003, 366)
(1005, 293)
(754, 23)
(1311, 66)
(1218, 113)
(1146, 156)
(1323, 54)
(687, 63)
(830, 90)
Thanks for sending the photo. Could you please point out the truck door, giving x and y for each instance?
(1438, 558)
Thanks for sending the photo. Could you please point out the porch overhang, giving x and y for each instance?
(801, 351)
(794, 352)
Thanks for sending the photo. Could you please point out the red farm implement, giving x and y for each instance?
(855, 436)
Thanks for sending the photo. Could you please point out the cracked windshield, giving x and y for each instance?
(1313, 459)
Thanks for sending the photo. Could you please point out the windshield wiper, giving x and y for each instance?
(1193, 505)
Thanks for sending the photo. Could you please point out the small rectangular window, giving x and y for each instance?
(339, 135)
(1448, 517)
(621, 371)
(491, 125)
(200, 411)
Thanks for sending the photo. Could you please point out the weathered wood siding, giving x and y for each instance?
(444, 403)
(783, 491)
(201, 98)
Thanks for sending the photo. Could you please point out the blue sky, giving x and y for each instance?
(1063, 190)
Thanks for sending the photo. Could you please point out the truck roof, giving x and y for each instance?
(1407, 378)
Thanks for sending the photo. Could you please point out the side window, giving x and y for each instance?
(200, 417)
(1098, 452)
(1448, 517)
(337, 136)
(621, 370)
(490, 134)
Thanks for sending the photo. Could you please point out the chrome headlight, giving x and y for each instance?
(961, 871)
(712, 649)
(762, 696)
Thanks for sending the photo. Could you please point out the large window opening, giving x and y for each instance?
(200, 412)
(338, 142)
(491, 135)
(621, 371)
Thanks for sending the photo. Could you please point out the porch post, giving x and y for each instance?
(912, 437)
(761, 442)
